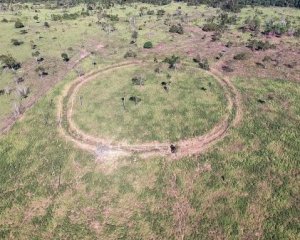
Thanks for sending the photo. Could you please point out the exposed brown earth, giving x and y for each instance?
(103, 147)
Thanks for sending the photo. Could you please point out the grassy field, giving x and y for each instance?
(186, 110)
(244, 187)
(247, 184)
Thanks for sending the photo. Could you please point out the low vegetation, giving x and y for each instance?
(211, 86)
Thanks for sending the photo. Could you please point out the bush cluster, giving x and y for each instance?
(259, 45)
(10, 62)
(176, 29)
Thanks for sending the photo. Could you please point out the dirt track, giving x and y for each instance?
(103, 147)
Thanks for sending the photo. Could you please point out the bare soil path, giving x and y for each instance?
(103, 148)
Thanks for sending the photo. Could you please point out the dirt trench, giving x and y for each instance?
(103, 147)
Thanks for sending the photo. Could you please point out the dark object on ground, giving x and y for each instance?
(16, 42)
(135, 99)
(261, 101)
(172, 61)
(260, 65)
(203, 88)
(19, 80)
(9, 62)
(40, 59)
(65, 57)
(19, 24)
(137, 80)
(23, 31)
(226, 68)
(2, 92)
(173, 148)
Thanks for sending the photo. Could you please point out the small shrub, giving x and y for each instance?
(172, 61)
(226, 68)
(148, 44)
(210, 27)
(70, 16)
(241, 56)
(130, 53)
(23, 91)
(229, 44)
(297, 33)
(202, 62)
(176, 29)
(16, 42)
(4, 20)
(113, 18)
(46, 24)
(23, 31)
(10, 62)
(19, 24)
(259, 45)
(216, 36)
(160, 12)
(259, 64)
(41, 71)
(56, 17)
(150, 12)
(135, 99)
(267, 59)
(65, 57)
(36, 17)
(137, 80)
(134, 34)
(253, 24)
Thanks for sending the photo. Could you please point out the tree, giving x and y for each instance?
(148, 44)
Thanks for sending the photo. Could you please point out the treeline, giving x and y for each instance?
(231, 5)
(236, 4)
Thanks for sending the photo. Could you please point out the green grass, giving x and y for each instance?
(185, 111)
(153, 198)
